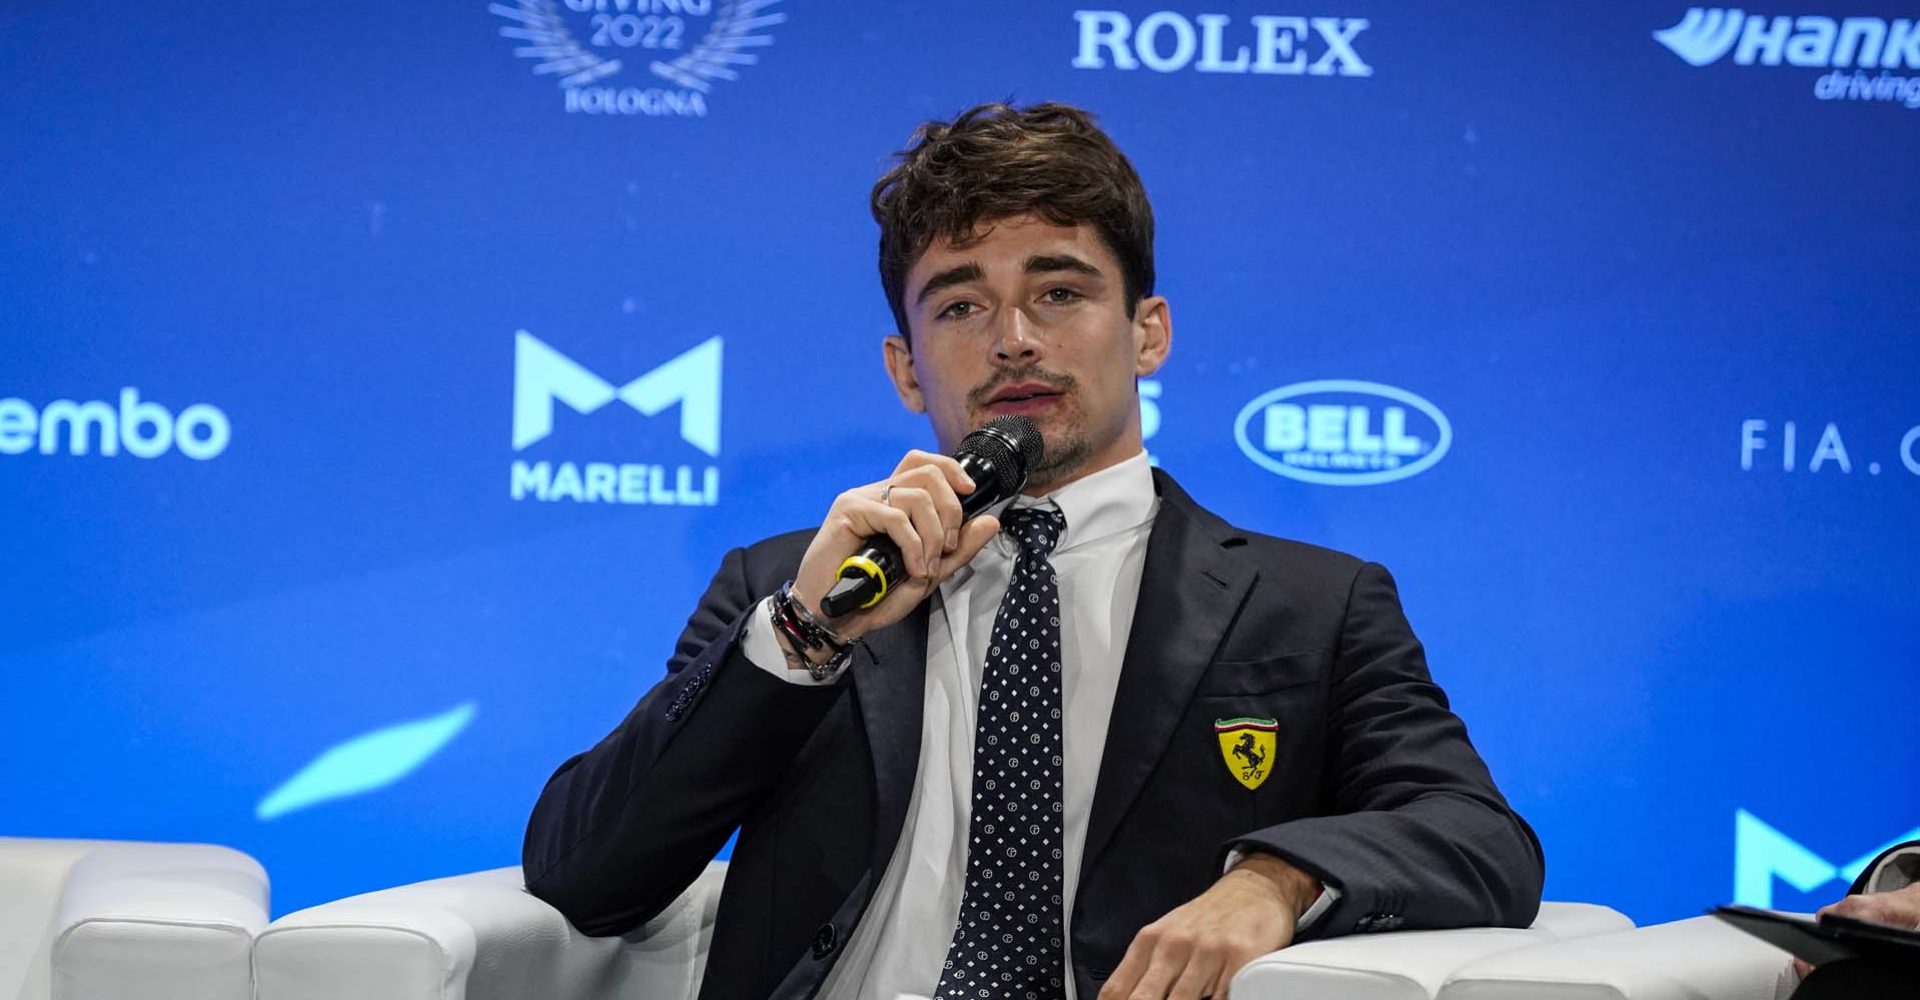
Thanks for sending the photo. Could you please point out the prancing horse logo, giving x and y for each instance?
(1247, 751)
(1246, 745)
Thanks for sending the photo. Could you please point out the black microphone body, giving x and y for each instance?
(996, 457)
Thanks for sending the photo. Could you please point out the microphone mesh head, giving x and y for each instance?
(1012, 444)
(1025, 435)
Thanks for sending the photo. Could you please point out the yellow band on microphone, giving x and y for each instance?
(869, 569)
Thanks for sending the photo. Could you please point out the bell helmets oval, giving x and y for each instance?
(1343, 432)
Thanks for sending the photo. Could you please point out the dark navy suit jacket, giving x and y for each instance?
(1374, 786)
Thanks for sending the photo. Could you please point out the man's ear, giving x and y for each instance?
(899, 358)
(1152, 335)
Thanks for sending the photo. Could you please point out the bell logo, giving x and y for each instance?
(1343, 432)
(542, 375)
(142, 428)
(691, 380)
(1760, 853)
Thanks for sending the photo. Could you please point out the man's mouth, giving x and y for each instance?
(1022, 392)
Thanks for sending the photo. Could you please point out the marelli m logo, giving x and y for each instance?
(542, 375)
(1761, 852)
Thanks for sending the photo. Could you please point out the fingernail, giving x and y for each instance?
(953, 538)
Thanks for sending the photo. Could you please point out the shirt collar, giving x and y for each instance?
(1103, 503)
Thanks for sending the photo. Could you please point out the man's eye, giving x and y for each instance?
(958, 309)
(1061, 295)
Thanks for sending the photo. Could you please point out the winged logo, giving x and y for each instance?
(547, 33)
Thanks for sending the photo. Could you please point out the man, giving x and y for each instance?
(1118, 749)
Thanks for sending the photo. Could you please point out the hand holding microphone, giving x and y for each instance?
(885, 546)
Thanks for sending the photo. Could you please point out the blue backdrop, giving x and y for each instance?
(382, 382)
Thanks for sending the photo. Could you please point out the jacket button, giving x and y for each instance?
(824, 941)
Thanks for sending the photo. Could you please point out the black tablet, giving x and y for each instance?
(1827, 939)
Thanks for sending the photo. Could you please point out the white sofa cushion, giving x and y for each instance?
(1697, 959)
(1406, 965)
(480, 937)
(100, 920)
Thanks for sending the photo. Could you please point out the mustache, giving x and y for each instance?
(1059, 383)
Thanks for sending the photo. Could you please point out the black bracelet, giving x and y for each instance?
(801, 627)
(813, 624)
(791, 619)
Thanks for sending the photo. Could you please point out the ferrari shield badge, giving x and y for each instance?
(1247, 747)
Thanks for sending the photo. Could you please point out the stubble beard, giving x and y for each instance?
(1059, 461)
(1065, 449)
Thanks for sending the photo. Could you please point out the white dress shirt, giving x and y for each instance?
(901, 943)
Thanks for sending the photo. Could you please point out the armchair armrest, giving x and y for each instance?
(1407, 965)
(480, 937)
(1697, 959)
(103, 919)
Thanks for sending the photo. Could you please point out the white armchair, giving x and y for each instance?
(483, 937)
(480, 937)
(99, 920)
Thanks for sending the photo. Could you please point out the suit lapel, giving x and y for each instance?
(1190, 590)
(890, 688)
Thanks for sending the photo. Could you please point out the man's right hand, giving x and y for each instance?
(922, 516)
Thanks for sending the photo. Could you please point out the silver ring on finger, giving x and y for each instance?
(886, 492)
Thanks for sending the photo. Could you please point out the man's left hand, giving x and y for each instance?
(1194, 951)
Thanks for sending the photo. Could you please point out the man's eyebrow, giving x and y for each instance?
(1042, 263)
(1036, 264)
(951, 276)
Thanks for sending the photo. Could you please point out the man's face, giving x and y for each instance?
(1030, 320)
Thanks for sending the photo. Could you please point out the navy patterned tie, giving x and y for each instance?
(1008, 943)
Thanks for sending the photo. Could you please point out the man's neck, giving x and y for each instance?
(1087, 468)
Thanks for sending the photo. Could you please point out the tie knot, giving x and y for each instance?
(1037, 529)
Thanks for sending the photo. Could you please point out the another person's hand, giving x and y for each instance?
(1195, 950)
(1900, 908)
(921, 514)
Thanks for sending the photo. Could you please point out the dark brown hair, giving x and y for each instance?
(996, 161)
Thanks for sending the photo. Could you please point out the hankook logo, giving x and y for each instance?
(1862, 53)
(1705, 35)
(1343, 432)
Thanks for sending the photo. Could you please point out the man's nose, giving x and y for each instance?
(1014, 338)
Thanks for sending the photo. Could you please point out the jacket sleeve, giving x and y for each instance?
(1415, 835)
(1896, 868)
(621, 830)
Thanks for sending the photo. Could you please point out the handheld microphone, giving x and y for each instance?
(996, 457)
